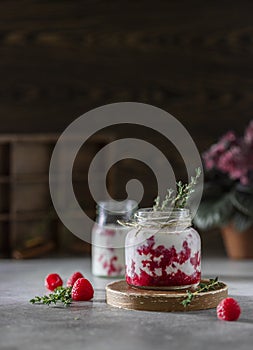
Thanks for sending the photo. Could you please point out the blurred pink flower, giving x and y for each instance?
(232, 156)
(212, 156)
(232, 163)
(248, 135)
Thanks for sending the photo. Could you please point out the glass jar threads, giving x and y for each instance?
(108, 237)
(163, 250)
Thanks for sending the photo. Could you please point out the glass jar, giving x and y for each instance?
(108, 237)
(163, 251)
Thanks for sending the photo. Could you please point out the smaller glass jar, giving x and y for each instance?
(108, 237)
(163, 251)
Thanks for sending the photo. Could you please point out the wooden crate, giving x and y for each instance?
(29, 226)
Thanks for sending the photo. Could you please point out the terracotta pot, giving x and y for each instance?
(239, 245)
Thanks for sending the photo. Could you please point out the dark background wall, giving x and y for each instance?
(59, 59)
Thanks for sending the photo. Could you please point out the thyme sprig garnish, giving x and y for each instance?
(212, 284)
(60, 294)
(182, 196)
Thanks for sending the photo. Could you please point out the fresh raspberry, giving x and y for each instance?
(82, 290)
(73, 278)
(228, 310)
(53, 281)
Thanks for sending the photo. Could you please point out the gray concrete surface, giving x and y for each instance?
(95, 326)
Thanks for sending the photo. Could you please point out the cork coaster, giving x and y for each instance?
(120, 294)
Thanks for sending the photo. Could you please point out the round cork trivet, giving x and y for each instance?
(120, 294)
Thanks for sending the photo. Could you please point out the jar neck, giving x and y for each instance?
(176, 218)
(109, 212)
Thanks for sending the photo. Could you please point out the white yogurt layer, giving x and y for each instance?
(108, 252)
(166, 239)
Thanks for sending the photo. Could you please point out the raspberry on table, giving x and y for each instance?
(82, 290)
(52, 281)
(73, 278)
(228, 310)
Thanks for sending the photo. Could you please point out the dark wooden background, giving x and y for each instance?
(59, 59)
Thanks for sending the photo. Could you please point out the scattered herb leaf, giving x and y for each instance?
(60, 294)
(202, 287)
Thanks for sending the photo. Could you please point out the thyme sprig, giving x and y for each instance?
(182, 196)
(60, 294)
(212, 284)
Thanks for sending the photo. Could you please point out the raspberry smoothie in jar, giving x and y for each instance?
(163, 251)
(108, 238)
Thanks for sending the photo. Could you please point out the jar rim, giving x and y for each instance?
(118, 207)
(164, 212)
(148, 214)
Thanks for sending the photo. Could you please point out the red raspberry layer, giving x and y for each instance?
(110, 266)
(167, 259)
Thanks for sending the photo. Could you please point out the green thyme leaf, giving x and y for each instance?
(182, 196)
(212, 284)
(156, 204)
(60, 294)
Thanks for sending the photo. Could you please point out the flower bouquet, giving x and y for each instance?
(227, 201)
